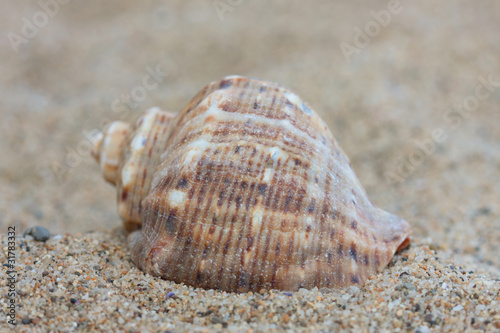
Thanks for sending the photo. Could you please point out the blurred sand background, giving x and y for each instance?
(74, 71)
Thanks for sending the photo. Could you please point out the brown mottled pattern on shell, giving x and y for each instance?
(143, 164)
(253, 192)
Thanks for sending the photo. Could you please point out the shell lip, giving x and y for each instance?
(405, 244)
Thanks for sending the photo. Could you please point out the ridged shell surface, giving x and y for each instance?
(245, 189)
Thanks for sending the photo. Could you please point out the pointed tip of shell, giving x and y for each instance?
(108, 147)
(96, 146)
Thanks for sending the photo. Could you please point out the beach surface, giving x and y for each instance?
(410, 90)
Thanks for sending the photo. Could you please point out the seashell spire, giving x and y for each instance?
(244, 189)
(108, 148)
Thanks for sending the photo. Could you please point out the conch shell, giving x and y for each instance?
(245, 189)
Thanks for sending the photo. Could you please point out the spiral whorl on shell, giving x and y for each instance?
(245, 189)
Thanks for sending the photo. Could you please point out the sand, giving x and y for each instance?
(87, 282)
(413, 103)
